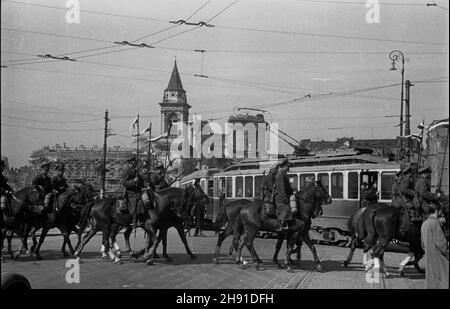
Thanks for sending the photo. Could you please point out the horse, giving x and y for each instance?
(377, 225)
(65, 217)
(253, 219)
(16, 221)
(166, 204)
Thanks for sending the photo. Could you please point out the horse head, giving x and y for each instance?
(324, 196)
(310, 200)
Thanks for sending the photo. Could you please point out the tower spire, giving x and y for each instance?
(175, 80)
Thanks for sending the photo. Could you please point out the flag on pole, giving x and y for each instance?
(146, 130)
(133, 126)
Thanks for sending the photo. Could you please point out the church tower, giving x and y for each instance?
(174, 107)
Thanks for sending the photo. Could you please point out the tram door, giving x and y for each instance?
(368, 177)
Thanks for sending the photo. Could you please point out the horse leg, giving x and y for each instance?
(150, 244)
(351, 253)
(163, 237)
(127, 235)
(405, 262)
(290, 240)
(66, 234)
(277, 250)
(41, 241)
(249, 243)
(311, 247)
(115, 228)
(106, 243)
(239, 250)
(222, 236)
(417, 258)
(85, 240)
(9, 236)
(299, 252)
(180, 230)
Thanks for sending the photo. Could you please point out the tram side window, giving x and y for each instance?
(229, 186)
(293, 179)
(337, 185)
(324, 178)
(258, 184)
(352, 185)
(239, 187)
(248, 186)
(387, 181)
(210, 188)
(304, 178)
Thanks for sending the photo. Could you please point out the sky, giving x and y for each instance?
(260, 53)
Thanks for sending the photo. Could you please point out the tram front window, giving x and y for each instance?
(387, 181)
(324, 178)
(304, 178)
(258, 184)
(353, 185)
(248, 186)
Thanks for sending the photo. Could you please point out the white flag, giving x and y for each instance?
(134, 125)
(146, 130)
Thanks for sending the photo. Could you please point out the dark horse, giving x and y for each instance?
(27, 221)
(164, 214)
(252, 218)
(377, 225)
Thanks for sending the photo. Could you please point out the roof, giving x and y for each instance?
(175, 80)
(199, 174)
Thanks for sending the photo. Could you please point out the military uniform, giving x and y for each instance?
(283, 194)
(60, 188)
(267, 194)
(396, 194)
(43, 183)
(133, 183)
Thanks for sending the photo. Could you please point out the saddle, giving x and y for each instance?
(127, 204)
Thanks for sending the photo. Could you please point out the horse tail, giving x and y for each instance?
(221, 218)
(85, 213)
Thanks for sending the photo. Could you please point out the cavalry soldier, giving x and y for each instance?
(199, 207)
(282, 195)
(43, 184)
(59, 185)
(133, 182)
(157, 180)
(6, 192)
(396, 195)
(267, 190)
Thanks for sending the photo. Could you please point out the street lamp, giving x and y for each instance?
(395, 56)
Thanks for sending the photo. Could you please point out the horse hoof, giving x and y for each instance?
(38, 257)
(149, 263)
(16, 256)
(193, 257)
(79, 260)
(28, 253)
(289, 269)
(242, 266)
(259, 261)
(65, 254)
(346, 263)
(105, 257)
(155, 256)
(279, 266)
(118, 262)
(402, 273)
(216, 261)
(319, 268)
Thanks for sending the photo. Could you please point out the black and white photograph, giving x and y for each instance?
(224, 150)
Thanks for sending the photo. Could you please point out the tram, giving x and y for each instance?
(341, 174)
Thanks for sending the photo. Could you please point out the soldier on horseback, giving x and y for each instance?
(42, 183)
(133, 183)
(267, 191)
(6, 193)
(370, 197)
(283, 192)
(157, 179)
(59, 185)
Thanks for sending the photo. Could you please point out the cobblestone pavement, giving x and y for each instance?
(184, 273)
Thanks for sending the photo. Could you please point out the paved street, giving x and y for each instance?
(183, 273)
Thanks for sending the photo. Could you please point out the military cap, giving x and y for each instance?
(424, 169)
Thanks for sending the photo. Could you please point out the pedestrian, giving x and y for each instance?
(436, 248)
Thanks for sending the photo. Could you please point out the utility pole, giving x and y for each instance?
(105, 137)
(408, 85)
(149, 160)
